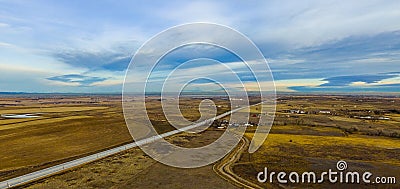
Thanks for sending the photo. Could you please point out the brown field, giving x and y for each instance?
(70, 127)
(315, 142)
(134, 169)
(363, 131)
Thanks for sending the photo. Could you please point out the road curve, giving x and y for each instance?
(224, 167)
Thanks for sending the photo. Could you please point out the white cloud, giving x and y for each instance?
(281, 85)
(109, 82)
(121, 39)
(389, 81)
(29, 38)
(3, 25)
(3, 44)
(60, 83)
(196, 11)
(307, 24)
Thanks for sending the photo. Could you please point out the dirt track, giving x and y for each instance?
(224, 167)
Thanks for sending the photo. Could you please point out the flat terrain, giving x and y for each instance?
(70, 127)
(310, 133)
(134, 169)
(315, 141)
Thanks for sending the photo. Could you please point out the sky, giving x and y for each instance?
(311, 46)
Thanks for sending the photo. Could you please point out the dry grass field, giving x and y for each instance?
(314, 141)
(70, 127)
(310, 133)
(134, 169)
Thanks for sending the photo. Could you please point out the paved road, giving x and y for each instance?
(224, 167)
(74, 163)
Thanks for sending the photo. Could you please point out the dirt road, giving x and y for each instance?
(224, 167)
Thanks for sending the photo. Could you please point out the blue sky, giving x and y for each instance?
(311, 46)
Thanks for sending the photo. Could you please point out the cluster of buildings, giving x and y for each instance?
(372, 117)
(225, 123)
(328, 112)
(298, 111)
